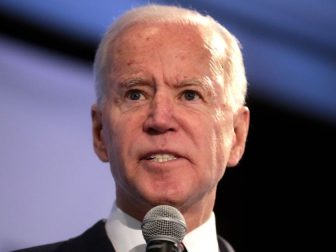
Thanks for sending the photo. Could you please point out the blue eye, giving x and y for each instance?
(134, 95)
(190, 95)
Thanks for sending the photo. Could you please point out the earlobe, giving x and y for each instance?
(97, 133)
(241, 126)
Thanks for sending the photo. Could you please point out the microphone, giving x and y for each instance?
(164, 228)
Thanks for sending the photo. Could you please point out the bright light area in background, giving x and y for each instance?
(52, 185)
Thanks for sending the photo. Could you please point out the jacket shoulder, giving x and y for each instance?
(224, 245)
(43, 248)
(92, 240)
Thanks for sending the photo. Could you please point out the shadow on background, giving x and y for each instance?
(280, 195)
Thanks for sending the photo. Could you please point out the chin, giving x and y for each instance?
(175, 198)
(164, 192)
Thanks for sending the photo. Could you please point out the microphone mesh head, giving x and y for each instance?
(164, 223)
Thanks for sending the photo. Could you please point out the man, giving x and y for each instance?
(169, 119)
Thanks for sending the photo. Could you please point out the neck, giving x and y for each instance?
(198, 213)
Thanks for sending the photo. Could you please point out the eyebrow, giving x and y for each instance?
(193, 82)
(133, 82)
(203, 84)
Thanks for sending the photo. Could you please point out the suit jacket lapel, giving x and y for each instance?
(224, 246)
(93, 240)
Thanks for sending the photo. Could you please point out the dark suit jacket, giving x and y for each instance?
(93, 240)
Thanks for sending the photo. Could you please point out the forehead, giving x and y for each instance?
(183, 37)
(150, 30)
(175, 51)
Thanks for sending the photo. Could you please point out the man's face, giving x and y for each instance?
(165, 126)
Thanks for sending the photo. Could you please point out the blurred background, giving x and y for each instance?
(52, 186)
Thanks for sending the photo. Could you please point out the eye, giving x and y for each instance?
(191, 95)
(135, 95)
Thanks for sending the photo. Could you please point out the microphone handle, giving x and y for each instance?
(163, 246)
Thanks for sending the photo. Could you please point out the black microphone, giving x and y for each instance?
(164, 228)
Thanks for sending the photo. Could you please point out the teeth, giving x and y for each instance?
(161, 157)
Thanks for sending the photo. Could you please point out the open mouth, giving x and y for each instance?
(161, 157)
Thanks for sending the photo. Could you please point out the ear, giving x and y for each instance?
(241, 124)
(97, 133)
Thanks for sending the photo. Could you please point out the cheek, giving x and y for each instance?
(122, 132)
(111, 133)
(223, 141)
(117, 147)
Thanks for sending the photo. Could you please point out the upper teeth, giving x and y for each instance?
(162, 157)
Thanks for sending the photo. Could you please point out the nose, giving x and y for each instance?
(160, 118)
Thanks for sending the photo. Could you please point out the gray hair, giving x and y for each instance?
(232, 63)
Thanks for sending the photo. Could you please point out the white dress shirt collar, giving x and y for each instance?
(126, 235)
(203, 238)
